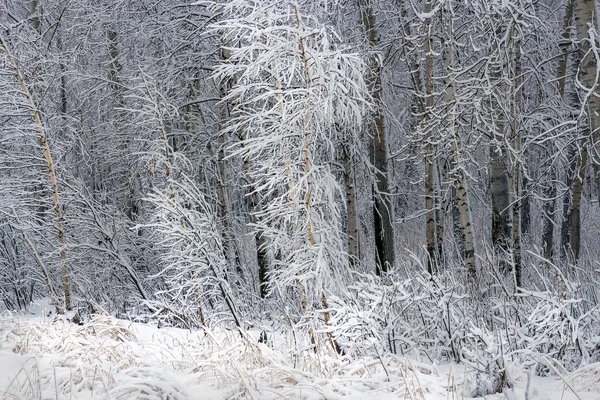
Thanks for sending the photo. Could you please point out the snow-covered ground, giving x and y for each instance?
(45, 358)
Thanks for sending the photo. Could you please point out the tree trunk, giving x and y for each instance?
(585, 13)
(441, 210)
(253, 204)
(312, 240)
(260, 243)
(352, 225)
(131, 193)
(461, 188)
(499, 188)
(35, 16)
(549, 207)
(51, 173)
(525, 201)
(499, 176)
(430, 228)
(565, 232)
(382, 206)
(229, 243)
(574, 221)
(548, 212)
(516, 176)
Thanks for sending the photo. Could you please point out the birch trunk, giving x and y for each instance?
(261, 253)
(429, 161)
(51, 173)
(352, 225)
(308, 196)
(585, 13)
(424, 104)
(40, 263)
(382, 205)
(461, 188)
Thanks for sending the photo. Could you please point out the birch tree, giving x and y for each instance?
(27, 102)
(458, 168)
(294, 84)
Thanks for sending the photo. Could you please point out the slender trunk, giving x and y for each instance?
(516, 217)
(114, 67)
(41, 264)
(199, 304)
(499, 187)
(51, 173)
(561, 71)
(260, 243)
(516, 175)
(382, 205)
(460, 177)
(308, 195)
(429, 160)
(498, 171)
(124, 179)
(253, 202)
(413, 65)
(459, 241)
(229, 244)
(430, 215)
(263, 265)
(231, 250)
(464, 216)
(548, 212)
(574, 221)
(352, 225)
(441, 210)
(424, 104)
(565, 232)
(525, 200)
(585, 13)
(305, 142)
(170, 147)
(549, 207)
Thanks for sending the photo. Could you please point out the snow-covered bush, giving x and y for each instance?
(438, 318)
(193, 269)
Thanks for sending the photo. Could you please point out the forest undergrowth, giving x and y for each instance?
(418, 338)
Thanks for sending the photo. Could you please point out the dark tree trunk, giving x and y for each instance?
(382, 206)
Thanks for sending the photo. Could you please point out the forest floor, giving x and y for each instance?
(46, 358)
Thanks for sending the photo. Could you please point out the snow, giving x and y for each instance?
(45, 357)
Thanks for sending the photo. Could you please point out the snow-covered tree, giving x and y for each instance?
(298, 93)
